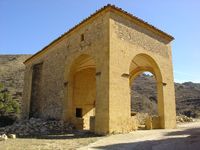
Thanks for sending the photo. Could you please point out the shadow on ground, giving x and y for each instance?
(72, 134)
(188, 139)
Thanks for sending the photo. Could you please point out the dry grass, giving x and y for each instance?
(53, 142)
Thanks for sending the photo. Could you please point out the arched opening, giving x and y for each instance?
(144, 97)
(146, 92)
(83, 92)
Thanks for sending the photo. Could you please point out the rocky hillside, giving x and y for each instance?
(188, 98)
(144, 96)
(12, 73)
(143, 88)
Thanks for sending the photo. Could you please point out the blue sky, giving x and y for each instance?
(26, 26)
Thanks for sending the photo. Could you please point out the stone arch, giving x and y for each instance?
(145, 63)
(81, 92)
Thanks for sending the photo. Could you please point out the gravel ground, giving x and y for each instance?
(69, 141)
(185, 137)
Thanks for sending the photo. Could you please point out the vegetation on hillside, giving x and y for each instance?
(9, 107)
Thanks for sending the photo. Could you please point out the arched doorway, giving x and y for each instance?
(144, 97)
(82, 88)
(141, 64)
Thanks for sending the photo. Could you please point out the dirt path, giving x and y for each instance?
(185, 137)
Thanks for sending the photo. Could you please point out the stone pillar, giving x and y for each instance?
(102, 103)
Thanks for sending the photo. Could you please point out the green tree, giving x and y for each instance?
(7, 104)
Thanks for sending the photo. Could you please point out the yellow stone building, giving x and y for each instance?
(84, 76)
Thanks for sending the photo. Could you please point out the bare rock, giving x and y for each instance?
(35, 126)
(3, 137)
(183, 118)
(12, 136)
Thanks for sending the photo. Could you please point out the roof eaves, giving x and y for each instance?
(70, 30)
(107, 7)
(142, 21)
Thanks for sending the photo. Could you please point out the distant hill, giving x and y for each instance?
(144, 96)
(12, 73)
(188, 98)
(143, 88)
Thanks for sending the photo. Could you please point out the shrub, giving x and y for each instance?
(8, 106)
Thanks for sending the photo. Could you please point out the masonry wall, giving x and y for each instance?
(128, 39)
(112, 40)
(57, 62)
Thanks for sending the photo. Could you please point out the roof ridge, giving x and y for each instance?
(95, 13)
(137, 18)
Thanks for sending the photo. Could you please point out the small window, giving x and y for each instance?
(82, 37)
(79, 112)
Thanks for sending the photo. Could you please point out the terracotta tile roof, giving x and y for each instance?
(107, 7)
